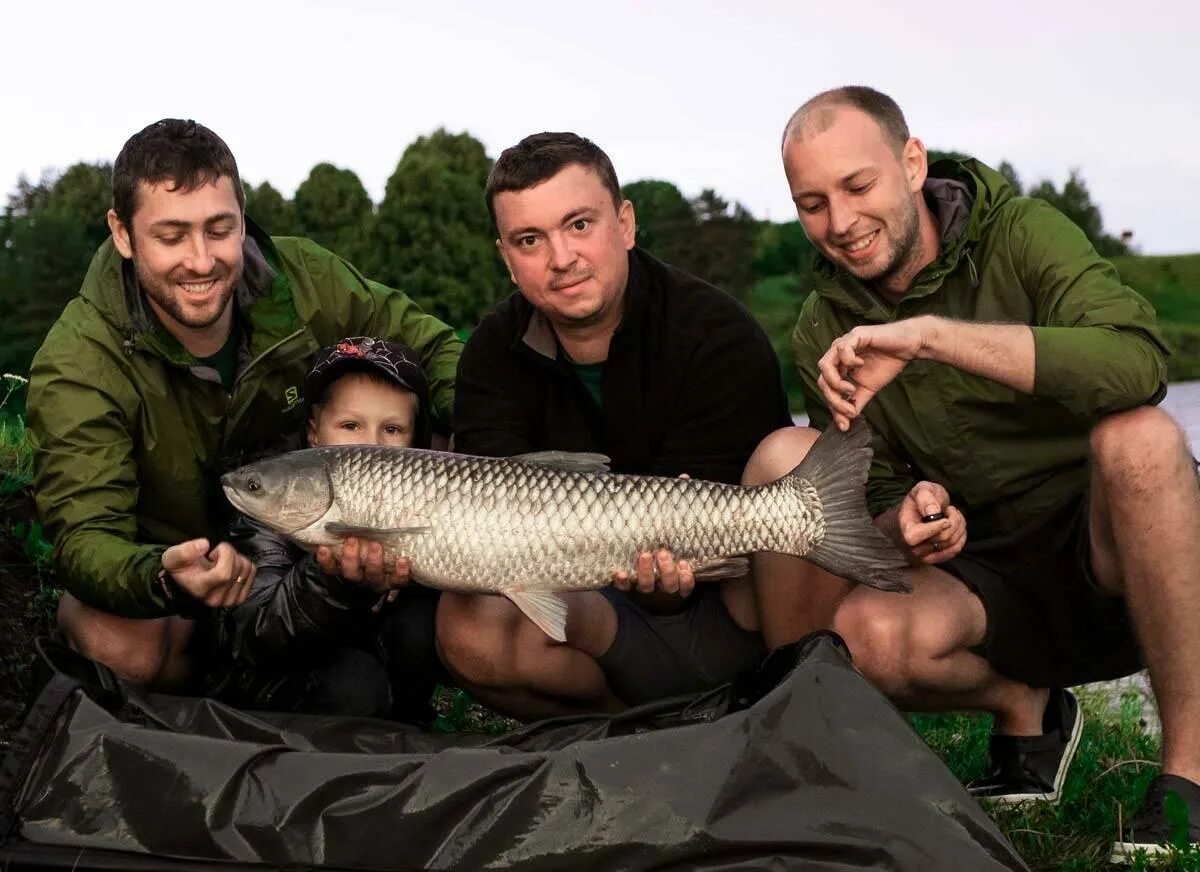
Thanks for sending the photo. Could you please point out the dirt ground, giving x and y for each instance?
(26, 611)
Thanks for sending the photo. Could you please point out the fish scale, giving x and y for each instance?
(596, 526)
(529, 530)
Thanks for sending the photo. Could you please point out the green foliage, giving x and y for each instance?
(1104, 787)
(48, 234)
(433, 237)
(775, 303)
(271, 210)
(665, 221)
(333, 209)
(1075, 201)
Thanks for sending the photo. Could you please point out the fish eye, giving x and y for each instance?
(253, 484)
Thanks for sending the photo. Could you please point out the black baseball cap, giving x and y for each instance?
(393, 360)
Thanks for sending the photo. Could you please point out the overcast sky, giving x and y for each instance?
(692, 92)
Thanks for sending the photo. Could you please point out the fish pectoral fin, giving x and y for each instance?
(347, 530)
(721, 567)
(547, 610)
(569, 461)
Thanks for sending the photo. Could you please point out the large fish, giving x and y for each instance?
(534, 526)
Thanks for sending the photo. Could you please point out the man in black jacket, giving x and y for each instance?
(606, 349)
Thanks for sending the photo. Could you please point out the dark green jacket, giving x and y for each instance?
(130, 433)
(1003, 456)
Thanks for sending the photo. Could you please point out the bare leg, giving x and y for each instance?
(146, 651)
(915, 648)
(507, 663)
(1145, 522)
(794, 597)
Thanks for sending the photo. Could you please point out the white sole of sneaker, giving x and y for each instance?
(1124, 853)
(1059, 777)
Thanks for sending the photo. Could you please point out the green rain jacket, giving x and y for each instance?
(1003, 456)
(130, 433)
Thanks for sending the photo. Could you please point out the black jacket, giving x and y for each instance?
(691, 383)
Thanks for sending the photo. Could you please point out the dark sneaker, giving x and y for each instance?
(1169, 816)
(1033, 768)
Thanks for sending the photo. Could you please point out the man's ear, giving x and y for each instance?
(916, 164)
(120, 235)
(313, 439)
(628, 222)
(504, 257)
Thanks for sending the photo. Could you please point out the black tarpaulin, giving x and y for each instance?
(800, 765)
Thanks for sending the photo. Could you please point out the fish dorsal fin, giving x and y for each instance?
(547, 610)
(346, 530)
(569, 461)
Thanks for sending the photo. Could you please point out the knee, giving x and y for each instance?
(876, 636)
(893, 647)
(475, 639)
(1139, 439)
(135, 650)
(778, 454)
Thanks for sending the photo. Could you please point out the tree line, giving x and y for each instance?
(430, 236)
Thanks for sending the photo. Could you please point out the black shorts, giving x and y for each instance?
(659, 656)
(1048, 623)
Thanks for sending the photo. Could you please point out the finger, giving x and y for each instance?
(247, 585)
(325, 559)
(224, 563)
(684, 475)
(848, 360)
(374, 570)
(184, 554)
(645, 572)
(668, 573)
(401, 572)
(930, 498)
(350, 566)
(621, 580)
(838, 392)
(916, 534)
(687, 578)
(830, 367)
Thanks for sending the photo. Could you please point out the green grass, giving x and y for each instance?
(1115, 761)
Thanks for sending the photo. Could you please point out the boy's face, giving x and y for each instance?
(360, 410)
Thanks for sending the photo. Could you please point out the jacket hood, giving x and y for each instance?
(965, 196)
(111, 287)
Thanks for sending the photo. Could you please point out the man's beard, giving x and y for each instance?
(904, 250)
(170, 297)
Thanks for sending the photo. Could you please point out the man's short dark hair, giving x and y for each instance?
(184, 153)
(811, 116)
(541, 156)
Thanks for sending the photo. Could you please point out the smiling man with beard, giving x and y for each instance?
(606, 349)
(1048, 507)
(182, 356)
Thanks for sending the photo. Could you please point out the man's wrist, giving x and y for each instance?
(934, 333)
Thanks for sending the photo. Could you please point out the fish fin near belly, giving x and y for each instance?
(547, 610)
(721, 567)
(568, 461)
(344, 531)
(852, 546)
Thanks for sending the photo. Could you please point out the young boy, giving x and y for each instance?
(319, 634)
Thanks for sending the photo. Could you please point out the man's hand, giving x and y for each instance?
(220, 577)
(861, 363)
(362, 563)
(658, 571)
(929, 542)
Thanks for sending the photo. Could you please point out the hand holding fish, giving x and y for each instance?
(658, 571)
(220, 577)
(362, 562)
(930, 541)
(861, 363)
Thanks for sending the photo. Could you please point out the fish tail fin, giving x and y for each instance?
(852, 547)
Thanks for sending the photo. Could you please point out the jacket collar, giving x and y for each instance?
(538, 334)
(960, 199)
